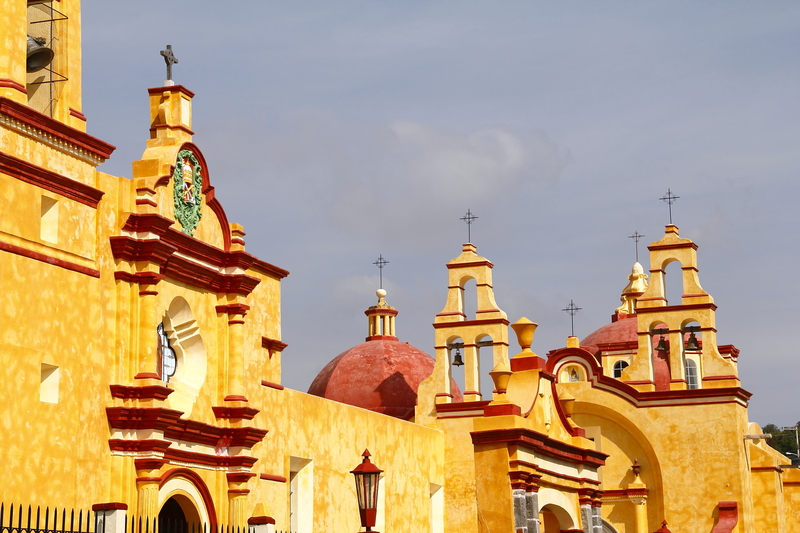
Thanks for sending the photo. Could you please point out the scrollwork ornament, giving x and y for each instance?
(188, 184)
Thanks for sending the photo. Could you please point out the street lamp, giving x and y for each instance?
(367, 477)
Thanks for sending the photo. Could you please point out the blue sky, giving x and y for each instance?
(337, 131)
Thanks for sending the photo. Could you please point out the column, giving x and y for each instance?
(532, 503)
(586, 517)
(147, 481)
(235, 369)
(597, 518)
(237, 498)
(640, 505)
(472, 374)
(147, 324)
(520, 512)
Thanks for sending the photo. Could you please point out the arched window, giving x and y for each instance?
(166, 356)
(691, 375)
(619, 366)
(573, 375)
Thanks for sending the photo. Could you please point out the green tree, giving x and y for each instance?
(783, 441)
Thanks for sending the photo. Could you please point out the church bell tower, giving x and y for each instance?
(40, 58)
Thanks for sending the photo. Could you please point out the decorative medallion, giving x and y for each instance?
(187, 185)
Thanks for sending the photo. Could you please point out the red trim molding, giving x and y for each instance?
(620, 494)
(77, 114)
(217, 461)
(170, 89)
(234, 413)
(58, 130)
(470, 264)
(233, 309)
(147, 392)
(466, 323)
(270, 477)
(112, 506)
(273, 345)
(36, 256)
(178, 429)
(139, 446)
(5, 82)
(728, 517)
(647, 399)
(272, 385)
(49, 180)
(260, 520)
(541, 444)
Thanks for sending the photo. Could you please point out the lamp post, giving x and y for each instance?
(367, 478)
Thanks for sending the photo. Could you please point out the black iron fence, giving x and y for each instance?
(19, 519)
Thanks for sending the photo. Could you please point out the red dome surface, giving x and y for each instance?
(381, 375)
(623, 330)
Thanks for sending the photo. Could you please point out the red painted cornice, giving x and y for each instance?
(179, 429)
(218, 461)
(49, 180)
(56, 129)
(135, 250)
(273, 344)
(648, 399)
(44, 258)
(148, 392)
(170, 89)
(235, 413)
(541, 444)
(143, 446)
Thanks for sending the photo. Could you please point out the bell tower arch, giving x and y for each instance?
(668, 331)
(40, 58)
(453, 323)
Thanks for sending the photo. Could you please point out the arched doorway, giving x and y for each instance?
(179, 515)
(185, 503)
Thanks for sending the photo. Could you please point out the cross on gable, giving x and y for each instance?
(169, 59)
(670, 199)
(572, 310)
(469, 218)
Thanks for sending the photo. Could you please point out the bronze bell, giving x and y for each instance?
(691, 344)
(662, 345)
(39, 55)
(457, 361)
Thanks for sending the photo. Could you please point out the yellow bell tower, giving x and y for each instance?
(40, 58)
(678, 341)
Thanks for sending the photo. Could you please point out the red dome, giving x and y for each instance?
(624, 330)
(381, 375)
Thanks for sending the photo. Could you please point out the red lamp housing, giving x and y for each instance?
(367, 478)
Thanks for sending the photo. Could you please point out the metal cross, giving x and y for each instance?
(636, 236)
(572, 309)
(670, 199)
(469, 218)
(169, 59)
(381, 262)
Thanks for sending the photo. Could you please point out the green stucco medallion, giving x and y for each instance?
(188, 184)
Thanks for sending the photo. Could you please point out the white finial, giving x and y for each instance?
(380, 293)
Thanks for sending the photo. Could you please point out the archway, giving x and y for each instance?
(178, 515)
(184, 499)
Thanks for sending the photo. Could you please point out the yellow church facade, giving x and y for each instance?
(141, 362)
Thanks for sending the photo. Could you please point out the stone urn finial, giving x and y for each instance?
(501, 374)
(636, 467)
(525, 330)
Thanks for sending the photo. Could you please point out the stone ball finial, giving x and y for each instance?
(380, 293)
